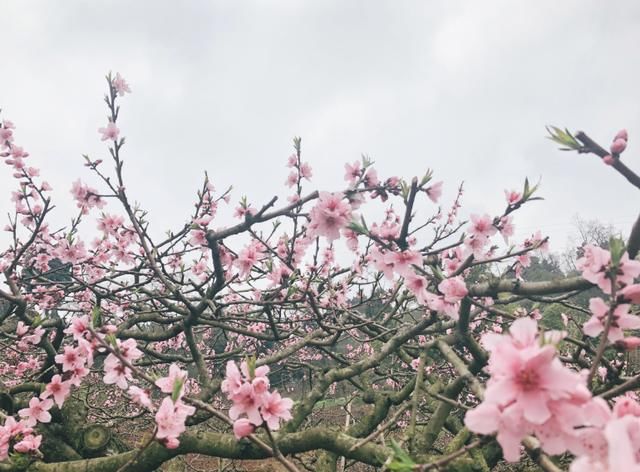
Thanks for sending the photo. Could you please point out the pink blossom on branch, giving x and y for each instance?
(621, 320)
(176, 379)
(121, 85)
(28, 443)
(170, 420)
(110, 132)
(248, 389)
(58, 389)
(36, 412)
(274, 408)
(242, 428)
(330, 215)
(434, 192)
(529, 389)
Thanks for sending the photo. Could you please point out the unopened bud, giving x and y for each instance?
(618, 146)
(608, 159)
(622, 134)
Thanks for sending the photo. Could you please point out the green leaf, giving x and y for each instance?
(563, 137)
(617, 249)
(111, 339)
(400, 461)
(177, 389)
(251, 366)
(427, 177)
(96, 317)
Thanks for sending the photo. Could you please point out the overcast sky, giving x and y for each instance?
(464, 88)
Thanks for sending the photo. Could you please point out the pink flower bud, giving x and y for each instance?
(622, 134)
(608, 159)
(618, 146)
(242, 428)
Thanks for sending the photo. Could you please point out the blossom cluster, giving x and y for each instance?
(253, 403)
(173, 411)
(530, 392)
(19, 436)
(611, 276)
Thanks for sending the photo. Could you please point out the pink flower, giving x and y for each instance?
(434, 192)
(140, 396)
(529, 391)
(593, 265)
(70, 358)
(121, 85)
(38, 411)
(352, 172)
(487, 418)
(110, 224)
(627, 271)
(292, 179)
(453, 289)
(260, 384)
(247, 259)
(630, 343)
(21, 329)
(79, 327)
(249, 392)
(403, 261)
(5, 135)
(306, 171)
(482, 226)
(28, 443)
(246, 402)
(512, 196)
(86, 198)
(475, 244)
(505, 226)
(176, 377)
(233, 380)
(170, 419)
(115, 372)
(417, 285)
(383, 263)
(243, 428)
(198, 238)
(631, 294)
(274, 408)
(129, 350)
(111, 132)
(621, 320)
(626, 405)
(524, 372)
(58, 389)
(329, 215)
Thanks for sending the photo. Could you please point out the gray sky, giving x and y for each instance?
(464, 88)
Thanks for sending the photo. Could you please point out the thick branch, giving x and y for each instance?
(225, 446)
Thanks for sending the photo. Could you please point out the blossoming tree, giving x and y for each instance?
(123, 352)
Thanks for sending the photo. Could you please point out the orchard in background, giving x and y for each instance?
(122, 351)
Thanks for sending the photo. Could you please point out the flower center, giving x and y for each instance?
(527, 380)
